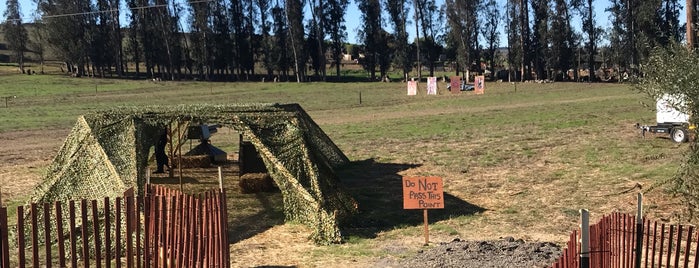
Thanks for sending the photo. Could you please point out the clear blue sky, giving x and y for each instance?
(353, 17)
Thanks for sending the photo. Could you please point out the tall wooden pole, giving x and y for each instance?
(690, 23)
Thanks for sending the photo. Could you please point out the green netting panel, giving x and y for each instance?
(81, 170)
(107, 152)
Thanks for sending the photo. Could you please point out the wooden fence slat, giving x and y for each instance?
(655, 237)
(4, 238)
(662, 242)
(180, 229)
(647, 223)
(688, 246)
(86, 248)
(156, 232)
(117, 231)
(669, 244)
(172, 218)
(95, 234)
(107, 234)
(678, 246)
(129, 231)
(200, 234)
(147, 217)
(20, 236)
(137, 226)
(227, 250)
(35, 235)
(59, 234)
(696, 253)
(47, 233)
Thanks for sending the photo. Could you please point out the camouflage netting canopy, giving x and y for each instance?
(107, 152)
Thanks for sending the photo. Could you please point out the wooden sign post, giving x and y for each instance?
(423, 193)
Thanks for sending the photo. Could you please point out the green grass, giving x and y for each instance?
(515, 163)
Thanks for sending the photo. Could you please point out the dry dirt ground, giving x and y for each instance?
(25, 154)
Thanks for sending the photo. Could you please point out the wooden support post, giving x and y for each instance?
(585, 236)
(220, 180)
(427, 229)
(690, 25)
(639, 231)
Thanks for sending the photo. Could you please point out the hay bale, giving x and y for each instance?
(256, 182)
(193, 161)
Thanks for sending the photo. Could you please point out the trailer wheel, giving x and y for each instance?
(678, 135)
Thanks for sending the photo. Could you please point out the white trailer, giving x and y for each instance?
(669, 119)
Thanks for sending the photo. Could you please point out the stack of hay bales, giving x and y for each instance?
(256, 182)
(193, 161)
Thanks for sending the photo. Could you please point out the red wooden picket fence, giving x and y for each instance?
(613, 244)
(164, 228)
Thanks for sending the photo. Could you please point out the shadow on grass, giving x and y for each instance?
(272, 214)
(377, 187)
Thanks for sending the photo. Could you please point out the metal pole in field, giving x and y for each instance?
(639, 231)
(585, 243)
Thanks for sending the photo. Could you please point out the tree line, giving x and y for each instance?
(232, 40)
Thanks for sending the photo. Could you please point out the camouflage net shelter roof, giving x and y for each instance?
(107, 153)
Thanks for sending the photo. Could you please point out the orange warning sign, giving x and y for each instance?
(422, 193)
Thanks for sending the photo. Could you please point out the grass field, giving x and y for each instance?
(520, 160)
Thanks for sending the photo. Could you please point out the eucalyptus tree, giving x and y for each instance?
(370, 34)
(201, 38)
(398, 16)
(282, 58)
(592, 32)
(563, 40)
(463, 33)
(491, 21)
(539, 44)
(294, 19)
(318, 21)
(266, 41)
(70, 36)
(336, 29)
(430, 19)
(15, 34)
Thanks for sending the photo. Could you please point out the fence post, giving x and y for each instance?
(639, 231)
(585, 235)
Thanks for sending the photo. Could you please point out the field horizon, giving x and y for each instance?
(520, 160)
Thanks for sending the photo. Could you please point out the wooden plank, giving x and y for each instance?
(137, 225)
(117, 231)
(186, 239)
(85, 235)
(20, 236)
(47, 233)
(688, 246)
(678, 246)
(59, 234)
(655, 236)
(225, 229)
(4, 238)
(96, 234)
(35, 235)
(107, 234)
(670, 244)
(662, 241)
(180, 229)
(129, 232)
(73, 243)
(147, 243)
(200, 234)
(647, 223)
(157, 223)
(172, 231)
